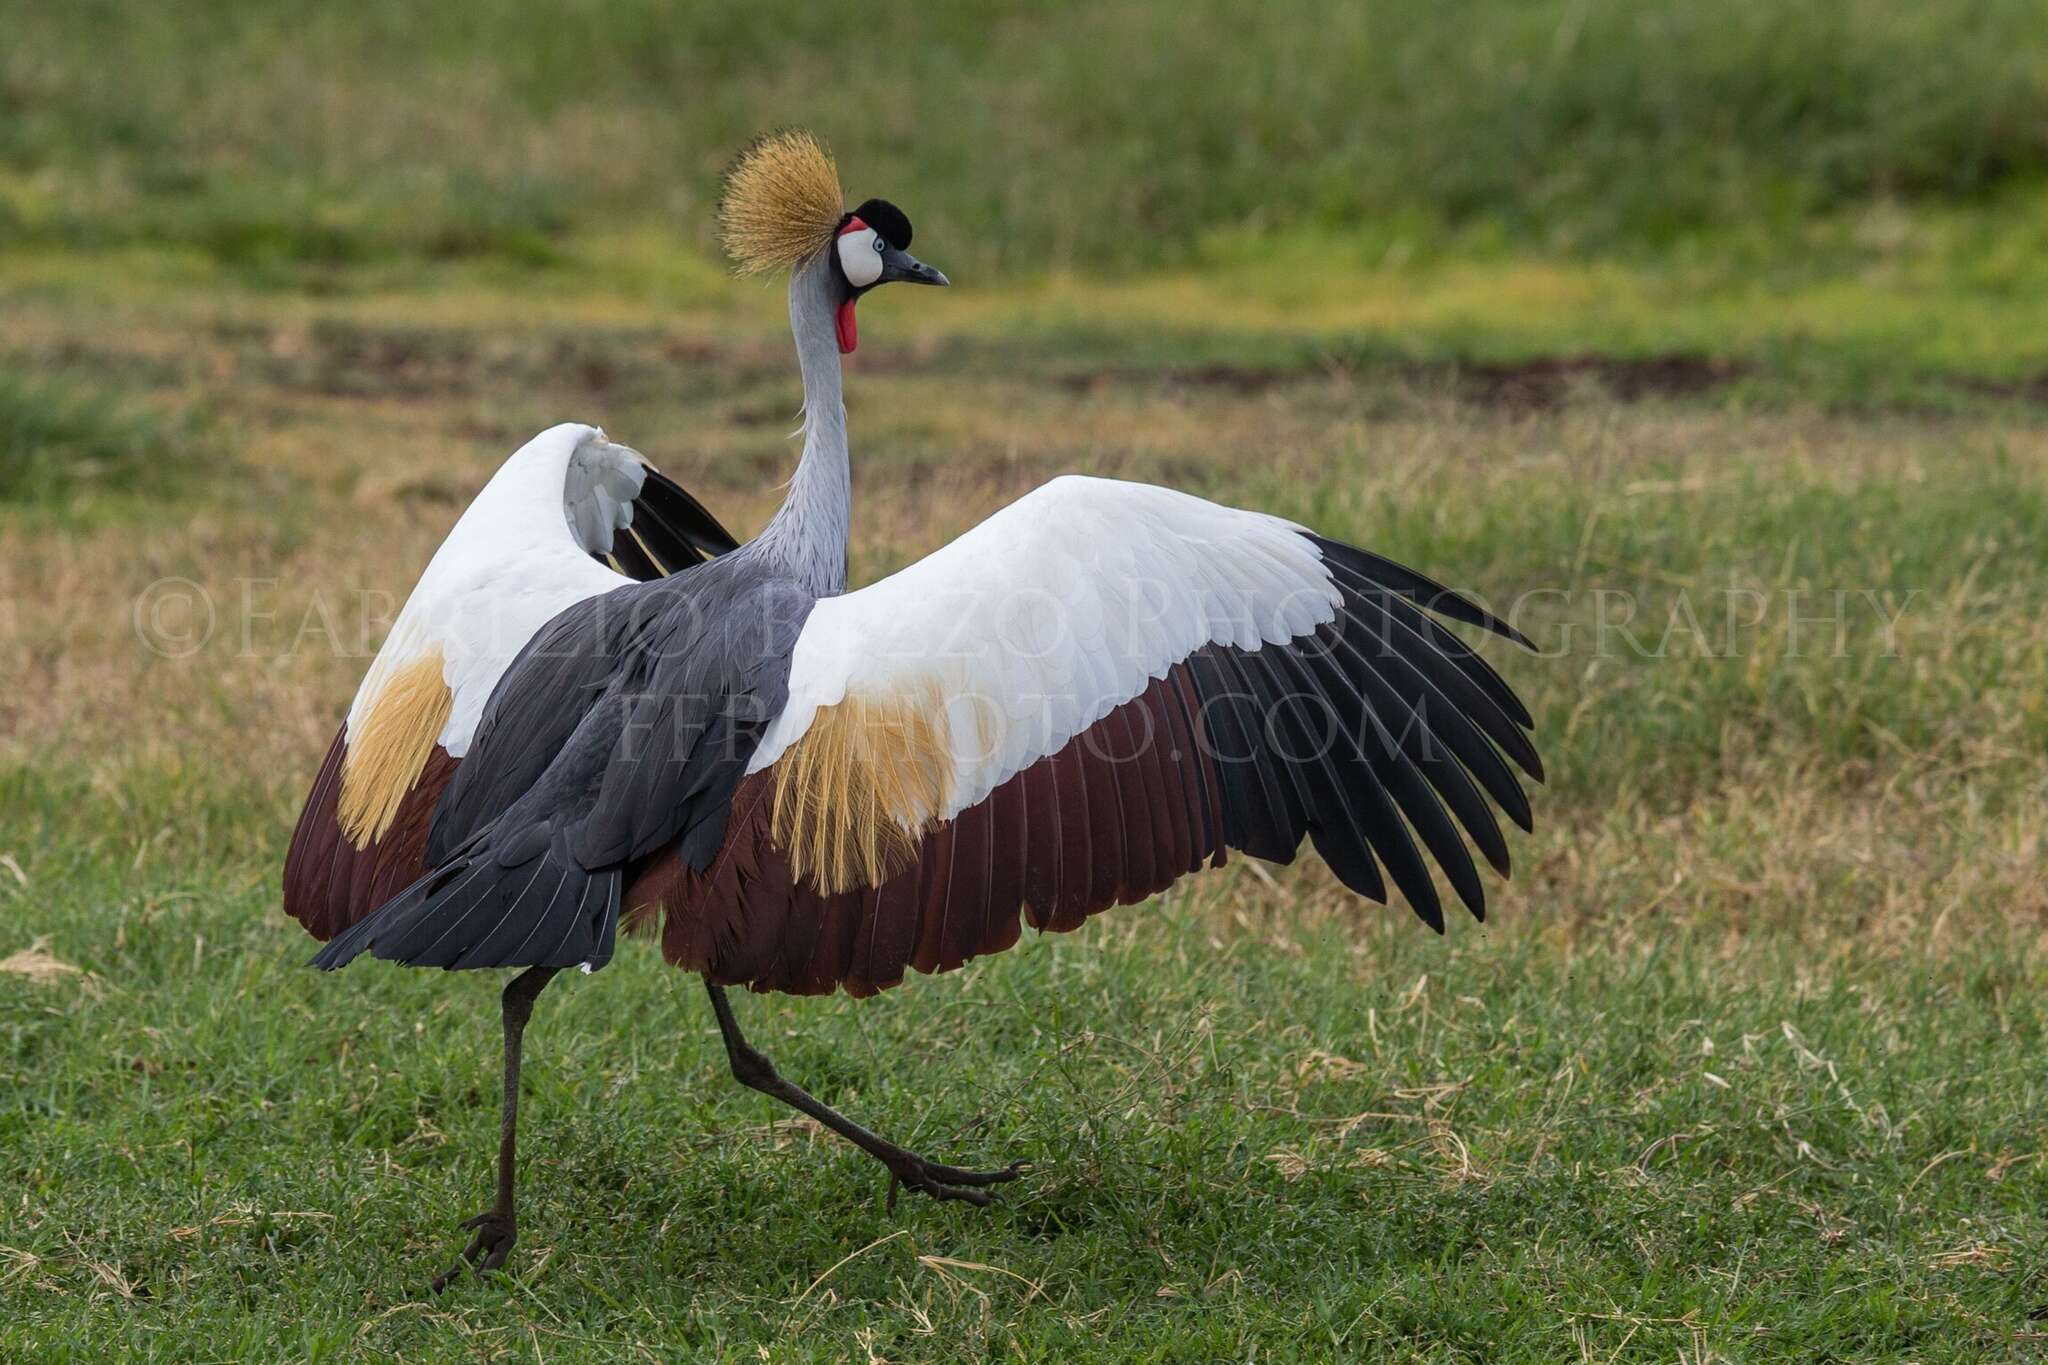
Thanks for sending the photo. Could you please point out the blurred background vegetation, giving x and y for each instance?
(1028, 135)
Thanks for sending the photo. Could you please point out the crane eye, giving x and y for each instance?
(878, 244)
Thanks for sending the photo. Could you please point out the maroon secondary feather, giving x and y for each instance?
(329, 883)
(1115, 816)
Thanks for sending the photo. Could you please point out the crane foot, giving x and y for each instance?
(935, 1181)
(496, 1230)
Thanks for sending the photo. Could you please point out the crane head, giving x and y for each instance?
(782, 209)
(868, 250)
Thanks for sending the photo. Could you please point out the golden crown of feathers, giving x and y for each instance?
(782, 202)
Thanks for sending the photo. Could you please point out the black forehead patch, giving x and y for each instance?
(885, 218)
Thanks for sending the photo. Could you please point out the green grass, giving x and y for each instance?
(1304, 1132)
(60, 436)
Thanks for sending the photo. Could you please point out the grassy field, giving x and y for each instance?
(1746, 1064)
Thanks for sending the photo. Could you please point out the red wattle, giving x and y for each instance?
(849, 334)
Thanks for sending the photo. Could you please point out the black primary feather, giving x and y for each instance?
(1369, 736)
(670, 531)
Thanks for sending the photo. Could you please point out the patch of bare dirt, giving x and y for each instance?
(1550, 381)
(2030, 390)
(1541, 384)
(1242, 380)
(341, 359)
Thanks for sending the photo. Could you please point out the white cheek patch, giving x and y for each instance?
(860, 256)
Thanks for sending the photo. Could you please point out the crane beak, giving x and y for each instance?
(900, 267)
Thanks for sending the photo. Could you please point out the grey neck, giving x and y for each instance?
(808, 536)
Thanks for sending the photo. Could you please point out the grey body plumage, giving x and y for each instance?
(622, 729)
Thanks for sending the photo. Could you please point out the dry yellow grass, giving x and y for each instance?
(230, 635)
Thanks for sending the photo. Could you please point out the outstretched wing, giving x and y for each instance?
(362, 835)
(1103, 687)
(620, 732)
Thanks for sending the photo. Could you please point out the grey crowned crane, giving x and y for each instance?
(1102, 688)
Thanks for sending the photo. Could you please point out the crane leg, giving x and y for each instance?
(497, 1227)
(750, 1068)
